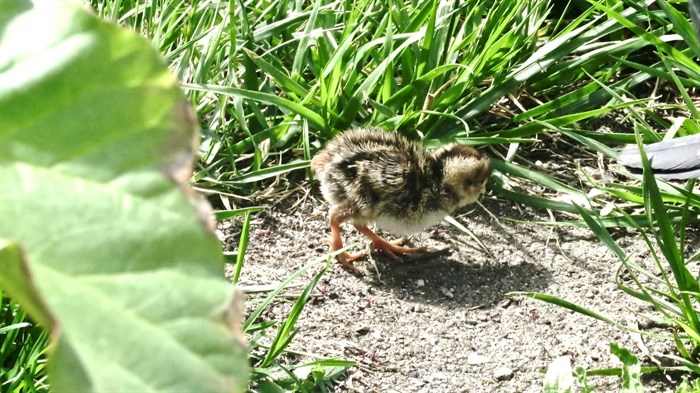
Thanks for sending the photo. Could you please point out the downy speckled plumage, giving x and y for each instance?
(369, 175)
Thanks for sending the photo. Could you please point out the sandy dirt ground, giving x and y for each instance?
(444, 323)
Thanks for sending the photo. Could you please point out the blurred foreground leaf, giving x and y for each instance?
(104, 244)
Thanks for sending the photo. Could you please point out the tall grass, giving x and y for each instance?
(666, 284)
(273, 80)
(22, 346)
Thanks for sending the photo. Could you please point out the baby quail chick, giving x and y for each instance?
(369, 175)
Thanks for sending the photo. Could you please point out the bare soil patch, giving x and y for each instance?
(445, 324)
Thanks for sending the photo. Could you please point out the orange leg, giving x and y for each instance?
(388, 248)
(345, 258)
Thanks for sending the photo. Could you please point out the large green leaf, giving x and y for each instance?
(117, 254)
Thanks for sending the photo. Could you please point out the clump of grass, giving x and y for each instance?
(270, 370)
(659, 211)
(22, 347)
(273, 81)
(667, 284)
(269, 340)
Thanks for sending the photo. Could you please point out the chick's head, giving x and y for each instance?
(465, 171)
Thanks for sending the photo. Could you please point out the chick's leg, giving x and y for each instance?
(336, 241)
(388, 248)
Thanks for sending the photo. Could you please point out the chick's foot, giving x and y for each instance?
(391, 249)
(336, 243)
(345, 259)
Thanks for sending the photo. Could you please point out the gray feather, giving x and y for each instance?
(675, 159)
(694, 8)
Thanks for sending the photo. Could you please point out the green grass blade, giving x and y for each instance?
(222, 215)
(287, 330)
(565, 304)
(656, 212)
(267, 98)
(267, 173)
(242, 247)
(255, 314)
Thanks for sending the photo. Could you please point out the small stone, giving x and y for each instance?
(506, 302)
(418, 308)
(362, 331)
(420, 282)
(503, 373)
(475, 358)
(447, 293)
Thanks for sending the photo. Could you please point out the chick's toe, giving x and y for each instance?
(390, 249)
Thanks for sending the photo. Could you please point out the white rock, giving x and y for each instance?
(503, 373)
(448, 294)
(475, 358)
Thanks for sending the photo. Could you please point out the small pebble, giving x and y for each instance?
(503, 373)
(475, 358)
(506, 302)
(420, 282)
(446, 292)
(362, 331)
